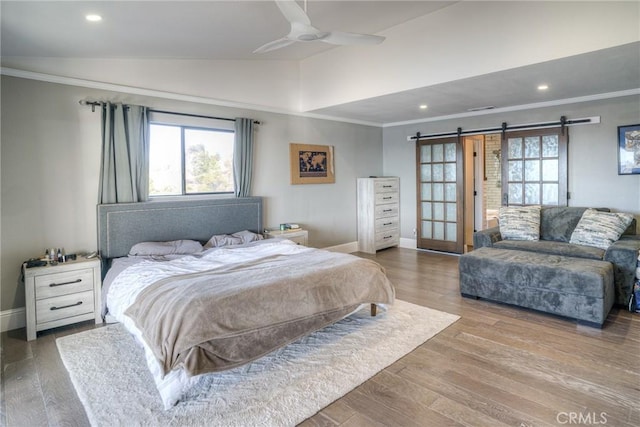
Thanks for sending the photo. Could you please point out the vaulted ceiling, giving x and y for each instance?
(51, 37)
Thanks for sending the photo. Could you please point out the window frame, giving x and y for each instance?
(181, 121)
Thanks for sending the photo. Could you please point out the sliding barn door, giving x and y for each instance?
(440, 195)
(534, 169)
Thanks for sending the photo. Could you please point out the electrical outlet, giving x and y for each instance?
(415, 232)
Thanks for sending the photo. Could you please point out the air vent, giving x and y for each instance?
(488, 107)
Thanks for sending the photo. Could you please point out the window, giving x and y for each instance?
(188, 159)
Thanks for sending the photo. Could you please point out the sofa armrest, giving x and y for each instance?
(623, 254)
(486, 237)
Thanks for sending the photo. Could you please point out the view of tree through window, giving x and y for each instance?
(186, 160)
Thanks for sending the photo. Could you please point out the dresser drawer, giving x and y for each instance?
(385, 186)
(384, 198)
(386, 239)
(56, 308)
(384, 224)
(385, 211)
(63, 283)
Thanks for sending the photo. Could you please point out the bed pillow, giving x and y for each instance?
(174, 247)
(600, 229)
(222, 240)
(248, 236)
(519, 222)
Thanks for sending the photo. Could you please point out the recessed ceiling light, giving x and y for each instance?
(543, 87)
(423, 107)
(93, 17)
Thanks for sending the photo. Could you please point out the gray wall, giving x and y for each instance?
(51, 156)
(593, 172)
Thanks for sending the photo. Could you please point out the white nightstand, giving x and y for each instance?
(298, 236)
(62, 294)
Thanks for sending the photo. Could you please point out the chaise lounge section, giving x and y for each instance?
(551, 274)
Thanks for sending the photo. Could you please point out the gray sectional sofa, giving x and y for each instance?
(551, 274)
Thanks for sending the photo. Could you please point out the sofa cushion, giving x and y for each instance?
(600, 229)
(553, 248)
(557, 223)
(519, 222)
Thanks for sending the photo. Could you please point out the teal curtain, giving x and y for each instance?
(124, 171)
(243, 157)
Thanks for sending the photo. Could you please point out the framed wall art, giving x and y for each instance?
(311, 164)
(629, 150)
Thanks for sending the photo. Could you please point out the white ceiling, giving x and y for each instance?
(231, 30)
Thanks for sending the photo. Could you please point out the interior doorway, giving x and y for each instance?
(482, 184)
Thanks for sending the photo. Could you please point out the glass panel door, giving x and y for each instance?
(440, 213)
(535, 167)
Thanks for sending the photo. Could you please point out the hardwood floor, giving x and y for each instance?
(498, 365)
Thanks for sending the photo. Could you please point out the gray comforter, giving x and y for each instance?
(219, 319)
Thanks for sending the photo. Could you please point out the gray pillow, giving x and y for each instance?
(174, 247)
(222, 240)
(519, 222)
(600, 229)
(248, 236)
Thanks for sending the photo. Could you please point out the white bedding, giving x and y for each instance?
(136, 275)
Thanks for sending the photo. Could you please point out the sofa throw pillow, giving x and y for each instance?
(600, 229)
(519, 222)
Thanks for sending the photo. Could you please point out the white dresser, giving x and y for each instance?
(378, 213)
(63, 294)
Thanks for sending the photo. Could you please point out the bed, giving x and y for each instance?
(199, 310)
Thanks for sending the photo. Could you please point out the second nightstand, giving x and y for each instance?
(60, 295)
(299, 236)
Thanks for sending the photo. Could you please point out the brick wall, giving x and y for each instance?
(492, 188)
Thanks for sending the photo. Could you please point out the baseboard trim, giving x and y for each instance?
(14, 318)
(346, 248)
(408, 243)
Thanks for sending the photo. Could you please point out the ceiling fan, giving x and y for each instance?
(303, 31)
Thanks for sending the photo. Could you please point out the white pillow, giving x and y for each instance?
(519, 222)
(175, 247)
(600, 229)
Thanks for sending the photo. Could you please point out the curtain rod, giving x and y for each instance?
(504, 127)
(95, 104)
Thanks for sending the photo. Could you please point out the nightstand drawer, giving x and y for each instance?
(64, 306)
(63, 283)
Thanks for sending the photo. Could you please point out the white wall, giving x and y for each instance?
(481, 37)
(50, 166)
(266, 84)
(593, 173)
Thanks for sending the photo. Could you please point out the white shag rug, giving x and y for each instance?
(284, 388)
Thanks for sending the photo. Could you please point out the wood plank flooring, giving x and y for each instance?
(497, 366)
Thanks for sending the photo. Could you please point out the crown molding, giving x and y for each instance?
(72, 81)
(576, 100)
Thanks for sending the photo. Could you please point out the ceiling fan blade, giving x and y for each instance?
(276, 44)
(342, 38)
(293, 12)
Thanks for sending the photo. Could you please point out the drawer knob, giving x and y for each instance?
(53, 285)
(387, 210)
(66, 306)
(387, 198)
(387, 223)
(387, 237)
(387, 186)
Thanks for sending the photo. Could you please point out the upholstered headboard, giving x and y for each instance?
(122, 225)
